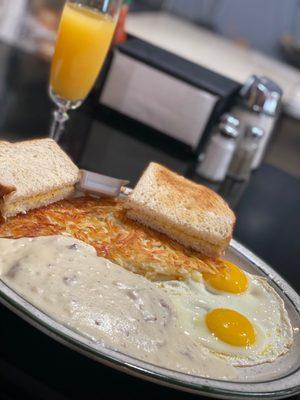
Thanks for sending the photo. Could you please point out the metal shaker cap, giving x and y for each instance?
(254, 132)
(230, 119)
(262, 95)
(228, 130)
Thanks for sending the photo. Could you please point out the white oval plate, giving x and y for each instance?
(279, 379)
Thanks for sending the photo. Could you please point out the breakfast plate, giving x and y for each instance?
(139, 282)
(279, 379)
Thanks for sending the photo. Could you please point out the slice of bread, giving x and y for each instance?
(187, 212)
(34, 173)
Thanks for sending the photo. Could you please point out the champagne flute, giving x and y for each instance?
(85, 33)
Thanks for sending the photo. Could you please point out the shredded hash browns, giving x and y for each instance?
(103, 224)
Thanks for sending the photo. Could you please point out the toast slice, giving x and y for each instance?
(34, 173)
(189, 213)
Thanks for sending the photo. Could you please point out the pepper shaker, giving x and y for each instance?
(259, 104)
(242, 161)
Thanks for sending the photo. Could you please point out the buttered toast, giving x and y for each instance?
(187, 212)
(34, 173)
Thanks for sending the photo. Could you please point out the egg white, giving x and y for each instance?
(259, 303)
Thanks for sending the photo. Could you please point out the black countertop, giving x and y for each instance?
(33, 366)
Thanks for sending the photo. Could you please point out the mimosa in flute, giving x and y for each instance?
(84, 37)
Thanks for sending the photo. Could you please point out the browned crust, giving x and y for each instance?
(103, 224)
(198, 195)
(185, 211)
(6, 189)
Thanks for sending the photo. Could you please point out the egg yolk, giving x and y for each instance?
(231, 327)
(229, 278)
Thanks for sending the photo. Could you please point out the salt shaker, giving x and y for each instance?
(220, 151)
(241, 164)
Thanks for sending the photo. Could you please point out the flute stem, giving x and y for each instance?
(60, 117)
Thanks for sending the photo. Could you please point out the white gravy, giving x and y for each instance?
(123, 311)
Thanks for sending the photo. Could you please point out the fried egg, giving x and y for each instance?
(236, 315)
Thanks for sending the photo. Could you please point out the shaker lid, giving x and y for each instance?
(254, 131)
(262, 95)
(228, 130)
(230, 119)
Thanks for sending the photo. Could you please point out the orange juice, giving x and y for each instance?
(83, 41)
